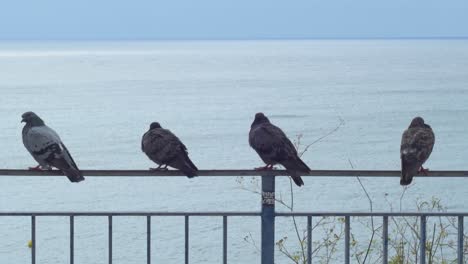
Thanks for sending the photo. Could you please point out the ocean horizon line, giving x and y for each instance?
(228, 39)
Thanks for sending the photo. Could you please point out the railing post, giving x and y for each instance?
(461, 236)
(347, 238)
(422, 236)
(309, 239)
(225, 239)
(72, 239)
(187, 239)
(148, 239)
(109, 239)
(33, 239)
(268, 219)
(385, 240)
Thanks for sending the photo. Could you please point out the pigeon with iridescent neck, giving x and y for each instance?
(47, 148)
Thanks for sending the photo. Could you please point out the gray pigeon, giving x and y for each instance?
(164, 148)
(416, 146)
(273, 147)
(47, 149)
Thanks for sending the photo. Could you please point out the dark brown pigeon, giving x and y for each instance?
(164, 148)
(416, 146)
(274, 147)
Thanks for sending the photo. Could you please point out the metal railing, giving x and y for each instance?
(267, 213)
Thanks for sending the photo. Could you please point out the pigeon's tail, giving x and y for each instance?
(187, 167)
(408, 170)
(68, 166)
(189, 171)
(406, 178)
(296, 167)
(73, 175)
(297, 180)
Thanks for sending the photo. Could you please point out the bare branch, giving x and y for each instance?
(341, 123)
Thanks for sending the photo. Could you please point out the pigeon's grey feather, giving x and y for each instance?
(164, 148)
(274, 147)
(417, 143)
(44, 144)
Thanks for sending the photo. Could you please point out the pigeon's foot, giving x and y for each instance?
(423, 170)
(267, 167)
(159, 169)
(37, 168)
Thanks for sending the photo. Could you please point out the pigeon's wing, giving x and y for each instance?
(181, 159)
(273, 146)
(287, 152)
(426, 141)
(152, 143)
(42, 142)
(176, 154)
(163, 147)
(417, 144)
(66, 160)
(47, 148)
(260, 141)
(416, 147)
(160, 145)
(270, 141)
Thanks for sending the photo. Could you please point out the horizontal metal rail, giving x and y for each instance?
(111, 213)
(368, 214)
(224, 173)
(230, 214)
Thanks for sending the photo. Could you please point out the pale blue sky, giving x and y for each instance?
(231, 19)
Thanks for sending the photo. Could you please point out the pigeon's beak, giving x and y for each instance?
(23, 120)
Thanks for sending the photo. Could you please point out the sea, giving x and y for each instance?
(350, 99)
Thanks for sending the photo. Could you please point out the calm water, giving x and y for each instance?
(101, 97)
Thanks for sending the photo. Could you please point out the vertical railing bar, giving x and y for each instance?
(347, 236)
(385, 240)
(460, 245)
(268, 220)
(110, 238)
(309, 239)
(186, 239)
(148, 239)
(33, 239)
(224, 239)
(72, 239)
(422, 242)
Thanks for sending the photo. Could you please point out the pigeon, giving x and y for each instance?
(274, 147)
(416, 146)
(47, 149)
(165, 149)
